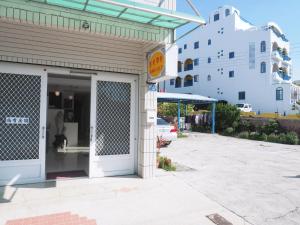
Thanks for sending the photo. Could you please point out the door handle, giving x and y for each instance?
(91, 133)
(43, 132)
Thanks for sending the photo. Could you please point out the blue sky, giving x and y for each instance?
(259, 12)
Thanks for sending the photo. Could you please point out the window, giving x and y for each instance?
(178, 82)
(172, 82)
(231, 55)
(161, 121)
(179, 67)
(209, 78)
(196, 78)
(279, 94)
(252, 58)
(185, 46)
(227, 12)
(196, 45)
(209, 42)
(242, 95)
(196, 62)
(216, 17)
(263, 46)
(188, 64)
(188, 81)
(231, 74)
(179, 50)
(209, 60)
(263, 67)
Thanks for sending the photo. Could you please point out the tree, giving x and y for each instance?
(227, 116)
(170, 109)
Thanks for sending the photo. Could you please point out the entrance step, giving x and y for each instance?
(65, 218)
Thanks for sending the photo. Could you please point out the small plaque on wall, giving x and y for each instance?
(17, 120)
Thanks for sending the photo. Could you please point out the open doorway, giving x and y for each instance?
(68, 127)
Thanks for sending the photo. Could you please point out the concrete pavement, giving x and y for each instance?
(257, 180)
(165, 200)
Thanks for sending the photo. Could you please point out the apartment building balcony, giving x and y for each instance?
(276, 56)
(281, 77)
(286, 58)
(285, 76)
(280, 56)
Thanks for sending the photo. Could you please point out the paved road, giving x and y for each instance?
(257, 180)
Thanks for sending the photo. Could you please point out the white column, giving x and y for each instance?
(147, 142)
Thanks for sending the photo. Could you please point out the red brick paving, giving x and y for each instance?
(65, 218)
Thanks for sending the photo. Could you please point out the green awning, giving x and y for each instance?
(129, 10)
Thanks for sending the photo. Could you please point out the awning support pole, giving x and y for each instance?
(213, 118)
(178, 114)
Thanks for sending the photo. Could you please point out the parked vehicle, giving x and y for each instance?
(244, 107)
(166, 131)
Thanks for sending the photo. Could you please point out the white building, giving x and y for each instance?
(297, 82)
(231, 59)
(79, 69)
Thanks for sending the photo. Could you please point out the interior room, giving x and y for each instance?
(68, 126)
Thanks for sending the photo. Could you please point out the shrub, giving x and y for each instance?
(226, 116)
(235, 124)
(181, 135)
(273, 138)
(292, 138)
(289, 138)
(244, 135)
(271, 127)
(245, 125)
(166, 164)
(254, 136)
(229, 131)
(204, 129)
(263, 137)
(282, 138)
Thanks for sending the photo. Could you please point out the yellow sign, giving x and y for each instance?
(156, 64)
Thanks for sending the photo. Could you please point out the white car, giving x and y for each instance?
(166, 131)
(244, 107)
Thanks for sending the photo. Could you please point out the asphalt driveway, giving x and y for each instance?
(258, 181)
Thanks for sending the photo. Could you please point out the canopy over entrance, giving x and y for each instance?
(184, 98)
(188, 99)
(129, 10)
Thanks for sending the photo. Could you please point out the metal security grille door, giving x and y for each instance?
(22, 125)
(19, 137)
(112, 125)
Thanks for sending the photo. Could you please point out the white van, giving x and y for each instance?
(244, 107)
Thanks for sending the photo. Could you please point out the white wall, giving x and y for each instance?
(41, 45)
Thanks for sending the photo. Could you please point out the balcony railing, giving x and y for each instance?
(286, 58)
(284, 76)
(278, 34)
(280, 56)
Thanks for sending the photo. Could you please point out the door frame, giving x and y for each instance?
(24, 69)
(134, 120)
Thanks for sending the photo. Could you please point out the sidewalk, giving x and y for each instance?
(164, 200)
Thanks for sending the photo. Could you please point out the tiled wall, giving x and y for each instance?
(147, 143)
